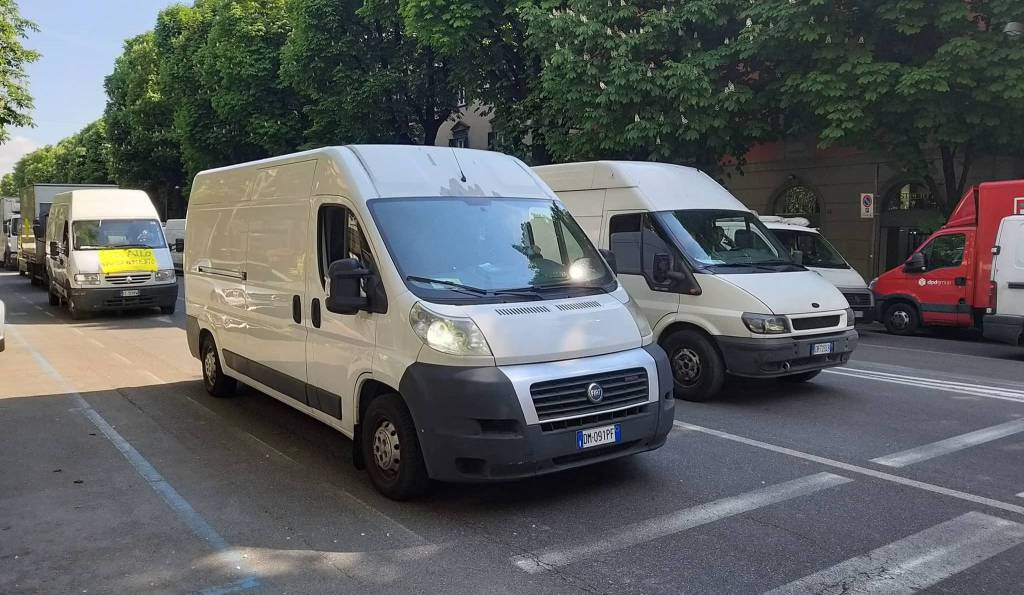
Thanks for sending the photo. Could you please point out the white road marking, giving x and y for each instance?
(915, 562)
(950, 445)
(856, 469)
(989, 392)
(675, 522)
(166, 319)
(121, 358)
(1020, 495)
(154, 377)
(50, 314)
(96, 343)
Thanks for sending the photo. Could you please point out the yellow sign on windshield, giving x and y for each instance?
(128, 260)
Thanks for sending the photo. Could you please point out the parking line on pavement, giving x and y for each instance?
(181, 507)
(950, 445)
(676, 522)
(918, 561)
(990, 392)
(856, 469)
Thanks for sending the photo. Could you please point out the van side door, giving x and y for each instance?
(942, 286)
(339, 348)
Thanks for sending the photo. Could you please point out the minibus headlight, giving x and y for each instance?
(851, 317)
(766, 324)
(87, 278)
(641, 321)
(165, 276)
(451, 335)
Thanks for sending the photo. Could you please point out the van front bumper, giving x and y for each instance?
(771, 358)
(98, 299)
(473, 428)
(1005, 329)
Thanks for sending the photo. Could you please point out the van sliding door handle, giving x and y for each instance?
(314, 313)
(297, 309)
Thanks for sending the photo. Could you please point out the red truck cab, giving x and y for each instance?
(945, 282)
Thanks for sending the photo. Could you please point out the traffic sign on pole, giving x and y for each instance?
(867, 206)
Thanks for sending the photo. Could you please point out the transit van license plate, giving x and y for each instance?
(821, 349)
(598, 436)
(130, 293)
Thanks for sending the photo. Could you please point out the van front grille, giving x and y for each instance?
(814, 322)
(858, 299)
(569, 397)
(128, 278)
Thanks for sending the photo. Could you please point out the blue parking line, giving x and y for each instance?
(148, 472)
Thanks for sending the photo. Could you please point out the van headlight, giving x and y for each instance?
(641, 321)
(851, 317)
(87, 278)
(447, 334)
(766, 324)
(164, 276)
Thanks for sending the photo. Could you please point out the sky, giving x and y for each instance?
(79, 41)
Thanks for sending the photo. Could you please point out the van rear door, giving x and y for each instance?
(1008, 267)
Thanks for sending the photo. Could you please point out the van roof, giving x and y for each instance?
(664, 187)
(396, 171)
(107, 203)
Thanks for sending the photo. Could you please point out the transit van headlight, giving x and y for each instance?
(766, 324)
(641, 321)
(165, 276)
(87, 278)
(451, 335)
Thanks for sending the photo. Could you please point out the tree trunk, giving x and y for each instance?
(955, 173)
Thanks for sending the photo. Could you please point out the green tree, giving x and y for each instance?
(37, 167)
(644, 80)
(15, 101)
(84, 158)
(362, 78)
(933, 84)
(144, 149)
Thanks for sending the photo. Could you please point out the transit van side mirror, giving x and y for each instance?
(609, 257)
(54, 250)
(179, 245)
(346, 278)
(916, 264)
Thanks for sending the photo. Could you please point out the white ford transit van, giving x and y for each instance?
(1005, 319)
(106, 251)
(439, 306)
(721, 292)
(808, 247)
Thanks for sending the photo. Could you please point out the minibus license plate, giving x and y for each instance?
(821, 349)
(598, 436)
(129, 293)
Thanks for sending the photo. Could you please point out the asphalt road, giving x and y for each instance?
(900, 473)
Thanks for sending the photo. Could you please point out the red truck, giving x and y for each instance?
(946, 281)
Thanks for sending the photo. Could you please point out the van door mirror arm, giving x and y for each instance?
(346, 279)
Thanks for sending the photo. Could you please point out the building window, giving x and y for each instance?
(799, 201)
(460, 136)
(492, 141)
(460, 98)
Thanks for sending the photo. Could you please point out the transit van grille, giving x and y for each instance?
(128, 278)
(129, 302)
(806, 324)
(567, 397)
(858, 300)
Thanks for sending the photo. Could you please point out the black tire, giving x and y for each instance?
(168, 310)
(21, 273)
(54, 297)
(901, 318)
(697, 368)
(391, 449)
(73, 309)
(216, 382)
(801, 377)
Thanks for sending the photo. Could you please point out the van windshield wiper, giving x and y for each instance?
(452, 284)
(119, 246)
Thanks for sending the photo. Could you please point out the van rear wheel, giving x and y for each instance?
(214, 379)
(391, 449)
(697, 369)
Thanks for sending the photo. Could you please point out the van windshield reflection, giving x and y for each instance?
(727, 241)
(118, 233)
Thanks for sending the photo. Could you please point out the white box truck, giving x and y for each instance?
(719, 288)
(1005, 318)
(438, 306)
(35, 208)
(106, 251)
(10, 209)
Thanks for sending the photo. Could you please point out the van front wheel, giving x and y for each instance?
(901, 318)
(391, 449)
(697, 368)
(216, 383)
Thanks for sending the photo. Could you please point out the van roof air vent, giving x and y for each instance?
(578, 306)
(522, 310)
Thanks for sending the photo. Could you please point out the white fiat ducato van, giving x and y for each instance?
(439, 306)
(1004, 320)
(808, 247)
(722, 293)
(106, 251)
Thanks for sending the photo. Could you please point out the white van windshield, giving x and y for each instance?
(487, 246)
(816, 251)
(726, 241)
(118, 233)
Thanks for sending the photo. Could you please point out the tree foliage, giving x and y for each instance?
(912, 79)
(82, 158)
(15, 101)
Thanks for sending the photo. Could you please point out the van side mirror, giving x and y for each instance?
(346, 279)
(609, 257)
(916, 264)
(179, 245)
(54, 250)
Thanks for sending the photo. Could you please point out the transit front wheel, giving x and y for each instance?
(391, 449)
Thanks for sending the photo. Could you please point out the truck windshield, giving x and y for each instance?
(726, 241)
(488, 247)
(118, 233)
(816, 250)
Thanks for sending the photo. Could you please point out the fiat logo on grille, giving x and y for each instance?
(595, 392)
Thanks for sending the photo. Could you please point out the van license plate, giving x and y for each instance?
(129, 293)
(598, 436)
(821, 349)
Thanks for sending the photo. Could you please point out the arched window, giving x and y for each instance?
(799, 201)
